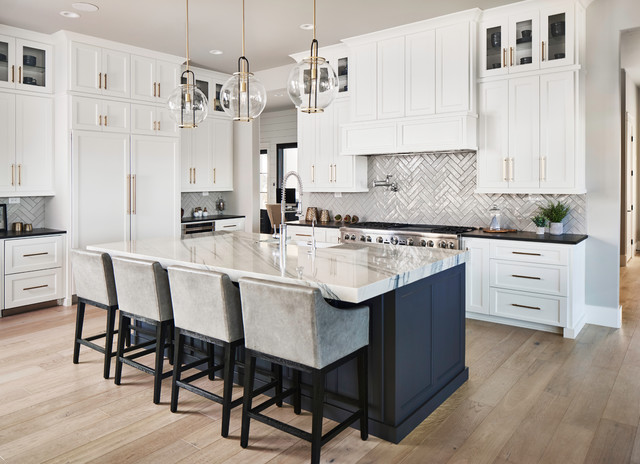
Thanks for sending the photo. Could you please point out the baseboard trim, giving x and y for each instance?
(514, 322)
(604, 316)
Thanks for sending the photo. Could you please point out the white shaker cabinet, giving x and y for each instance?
(524, 133)
(153, 80)
(420, 74)
(89, 113)
(453, 82)
(363, 82)
(99, 70)
(26, 149)
(391, 80)
(26, 66)
(493, 134)
(477, 275)
(152, 120)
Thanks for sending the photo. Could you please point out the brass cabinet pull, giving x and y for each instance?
(510, 56)
(158, 89)
(105, 119)
(543, 168)
(154, 89)
(214, 175)
(525, 277)
(13, 73)
(133, 211)
(511, 169)
(105, 81)
(100, 120)
(230, 225)
(158, 125)
(13, 174)
(19, 74)
(543, 50)
(504, 57)
(20, 174)
(504, 170)
(191, 175)
(99, 80)
(33, 288)
(525, 306)
(128, 194)
(35, 254)
(194, 175)
(523, 253)
(154, 125)
(313, 173)
(303, 235)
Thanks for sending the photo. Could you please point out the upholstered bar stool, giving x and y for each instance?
(294, 326)
(95, 286)
(206, 307)
(143, 296)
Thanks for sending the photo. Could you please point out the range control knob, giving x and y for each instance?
(452, 245)
(423, 243)
(346, 236)
(410, 242)
(442, 244)
(368, 238)
(363, 238)
(394, 240)
(353, 236)
(430, 244)
(379, 240)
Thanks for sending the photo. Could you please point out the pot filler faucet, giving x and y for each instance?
(283, 227)
(393, 186)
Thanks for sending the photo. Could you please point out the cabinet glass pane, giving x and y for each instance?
(203, 86)
(557, 38)
(523, 43)
(33, 66)
(494, 47)
(4, 63)
(343, 74)
(217, 106)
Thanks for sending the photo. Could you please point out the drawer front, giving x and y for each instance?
(32, 287)
(530, 252)
(551, 280)
(229, 224)
(303, 233)
(32, 254)
(529, 307)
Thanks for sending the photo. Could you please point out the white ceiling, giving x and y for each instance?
(272, 25)
(630, 54)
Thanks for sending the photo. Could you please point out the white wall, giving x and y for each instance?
(605, 20)
(276, 127)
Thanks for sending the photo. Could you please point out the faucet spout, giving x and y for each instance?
(283, 227)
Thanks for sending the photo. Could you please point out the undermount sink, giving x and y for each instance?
(302, 243)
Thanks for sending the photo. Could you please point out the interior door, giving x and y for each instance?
(155, 187)
(101, 190)
(7, 142)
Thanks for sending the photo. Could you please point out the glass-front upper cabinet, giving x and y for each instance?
(25, 65)
(524, 54)
(494, 45)
(557, 37)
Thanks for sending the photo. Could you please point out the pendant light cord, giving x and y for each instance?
(187, 15)
(242, 27)
(314, 19)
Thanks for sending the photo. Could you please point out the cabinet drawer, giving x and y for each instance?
(31, 254)
(229, 224)
(303, 233)
(529, 307)
(530, 252)
(32, 287)
(551, 280)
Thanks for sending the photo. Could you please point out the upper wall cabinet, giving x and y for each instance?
(153, 80)
(210, 84)
(25, 65)
(528, 40)
(100, 71)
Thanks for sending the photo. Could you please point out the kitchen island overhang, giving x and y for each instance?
(417, 320)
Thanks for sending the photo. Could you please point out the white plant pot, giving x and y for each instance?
(540, 230)
(555, 228)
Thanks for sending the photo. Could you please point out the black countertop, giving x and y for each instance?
(33, 233)
(328, 225)
(210, 217)
(566, 239)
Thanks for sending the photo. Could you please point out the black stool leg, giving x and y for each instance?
(123, 331)
(229, 364)
(79, 322)
(249, 373)
(108, 344)
(316, 419)
(363, 393)
(278, 369)
(297, 395)
(161, 333)
(211, 361)
(170, 328)
(177, 369)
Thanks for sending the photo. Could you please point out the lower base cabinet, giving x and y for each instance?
(530, 284)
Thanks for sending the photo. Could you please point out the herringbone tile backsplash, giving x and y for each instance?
(30, 210)
(192, 199)
(439, 189)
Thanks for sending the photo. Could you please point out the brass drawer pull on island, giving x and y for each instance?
(33, 288)
(35, 254)
(525, 277)
(523, 253)
(525, 306)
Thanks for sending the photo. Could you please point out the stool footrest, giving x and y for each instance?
(84, 342)
(141, 353)
(271, 401)
(290, 429)
(143, 368)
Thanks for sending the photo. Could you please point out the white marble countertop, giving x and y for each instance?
(347, 272)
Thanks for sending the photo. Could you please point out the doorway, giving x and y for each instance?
(287, 160)
(630, 186)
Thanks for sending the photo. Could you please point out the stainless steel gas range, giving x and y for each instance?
(404, 234)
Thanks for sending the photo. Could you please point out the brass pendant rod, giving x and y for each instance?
(314, 19)
(187, 16)
(243, 28)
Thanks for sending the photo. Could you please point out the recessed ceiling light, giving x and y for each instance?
(306, 27)
(82, 6)
(215, 52)
(69, 14)
(278, 94)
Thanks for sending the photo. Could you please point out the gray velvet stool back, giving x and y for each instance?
(294, 322)
(205, 302)
(93, 275)
(143, 288)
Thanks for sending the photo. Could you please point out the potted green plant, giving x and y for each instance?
(540, 221)
(555, 213)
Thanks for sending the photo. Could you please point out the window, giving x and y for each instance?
(264, 172)
(287, 161)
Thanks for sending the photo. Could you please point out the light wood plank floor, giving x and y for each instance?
(531, 397)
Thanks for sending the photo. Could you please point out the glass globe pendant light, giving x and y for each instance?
(243, 97)
(313, 83)
(188, 106)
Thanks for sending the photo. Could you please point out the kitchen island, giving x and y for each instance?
(417, 319)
